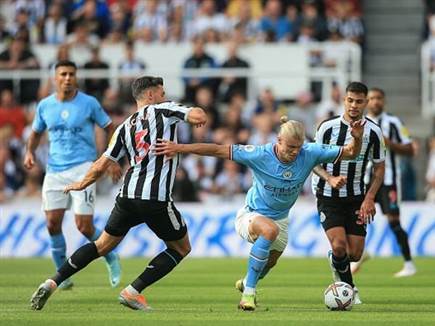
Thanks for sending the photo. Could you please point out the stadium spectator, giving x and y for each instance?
(304, 111)
(93, 14)
(81, 38)
(148, 204)
(198, 59)
(184, 189)
(205, 99)
(72, 150)
(230, 181)
(96, 86)
(54, 26)
(266, 103)
(11, 113)
(129, 67)
(231, 84)
(274, 27)
(19, 56)
(121, 17)
(246, 26)
(151, 25)
(344, 20)
(331, 106)
(208, 18)
(262, 130)
(310, 16)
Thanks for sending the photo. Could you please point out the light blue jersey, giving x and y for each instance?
(70, 126)
(276, 185)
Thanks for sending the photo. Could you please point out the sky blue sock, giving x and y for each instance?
(111, 255)
(257, 260)
(58, 249)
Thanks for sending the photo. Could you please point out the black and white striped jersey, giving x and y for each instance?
(336, 131)
(393, 129)
(149, 177)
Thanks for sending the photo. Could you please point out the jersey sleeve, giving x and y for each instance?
(245, 154)
(100, 117)
(378, 150)
(402, 133)
(325, 153)
(39, 124)
(116, 148)
(318, 137)
(174, 112)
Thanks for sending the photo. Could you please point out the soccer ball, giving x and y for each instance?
(339, 296)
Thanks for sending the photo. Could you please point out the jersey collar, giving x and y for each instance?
(347, 123)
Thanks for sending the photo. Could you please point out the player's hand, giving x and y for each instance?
(387, 142)
(115, 172)
(29, 160)
(73, 186)
(367, 211)
(165, 147)
(357, 128)
(337, 182)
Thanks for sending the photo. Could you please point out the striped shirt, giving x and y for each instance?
(393, 129)
(336, 131)
(149, 177)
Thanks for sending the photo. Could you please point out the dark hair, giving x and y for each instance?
(142, 83)
(357, 87)
(378, 90)
(65, 63)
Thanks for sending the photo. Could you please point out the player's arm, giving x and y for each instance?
(368, 210)
(196, 117)
(114, 170)
(168, 148)
(97, 169)
(335, 182)
(32, 145)
(401, 149)
(352, 150)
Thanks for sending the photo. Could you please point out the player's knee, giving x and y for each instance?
(103, 248)
(54, 227)
(270, 232)
(184, 249)
(86, 229)
(339, 248)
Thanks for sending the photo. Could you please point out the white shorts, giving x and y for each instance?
(244, 218)
(82, 202)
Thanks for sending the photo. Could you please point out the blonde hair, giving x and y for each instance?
(291, 129)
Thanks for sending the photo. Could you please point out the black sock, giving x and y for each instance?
(342, 265)
(158, 267)
(79, 260)
(402, 239)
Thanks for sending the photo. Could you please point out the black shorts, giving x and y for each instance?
(341, 212)
(387, 197)
(161, 217)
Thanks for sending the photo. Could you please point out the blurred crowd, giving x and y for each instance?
(232, 118)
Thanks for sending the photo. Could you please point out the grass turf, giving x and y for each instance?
(201, 292)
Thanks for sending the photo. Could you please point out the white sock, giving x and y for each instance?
(249, 291)
(131, 290)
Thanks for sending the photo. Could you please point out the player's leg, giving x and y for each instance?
(83, 204)
(167, 223)
(116, 228)
(338, 255)
(409, 268)
(79, 260)
(54, 203)
(356, 245)
(273, 259)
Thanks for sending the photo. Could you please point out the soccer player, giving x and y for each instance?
(70, 116)
(279, 171)
(144, 197)
(398, 143)
(345, 212)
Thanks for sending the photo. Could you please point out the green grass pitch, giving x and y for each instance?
(201, 292)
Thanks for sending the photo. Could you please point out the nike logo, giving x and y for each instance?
(344, 271)
(71, 263)
(150, 266)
